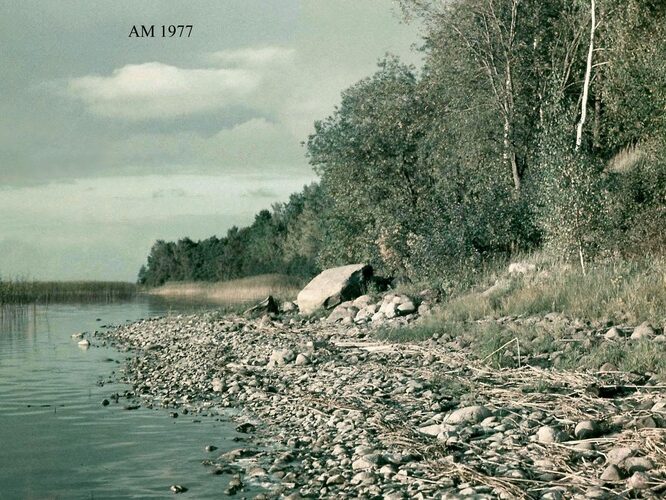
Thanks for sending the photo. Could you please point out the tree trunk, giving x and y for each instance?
(588, 74)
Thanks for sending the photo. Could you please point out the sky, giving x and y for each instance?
(110, 142)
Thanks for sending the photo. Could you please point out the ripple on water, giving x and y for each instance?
(58, 441)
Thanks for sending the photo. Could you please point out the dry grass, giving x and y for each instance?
(239, 291)
(621, 291)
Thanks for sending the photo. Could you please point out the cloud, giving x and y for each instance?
(156, 90)
(253, 56)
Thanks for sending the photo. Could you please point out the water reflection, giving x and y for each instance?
(58, 441)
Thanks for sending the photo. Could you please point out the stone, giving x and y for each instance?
(85, 343)
(389, 309)
(218, 385)
(234, 485)
(302, 360)
(335, 480)
(619, 454)
(364, 315)
(643, 331)
(547, 434)
(431, 430)
(362, 301)
(257, 472)
(613, 333)
(611, 474)
(362, 463)
(378, 317)
(637, 464)
(177, 488)
(469, 414)
(266, 306)
(363, 477)
(342, 312)
(587, 429)
(608, 367)
(406, 308)
(280, 357)
(333, 286)
(639, 481)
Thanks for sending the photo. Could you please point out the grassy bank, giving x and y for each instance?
(502, 317)
(240, 292)
(45, 292)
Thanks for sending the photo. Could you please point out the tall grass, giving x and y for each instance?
(620, 291)
(240, 291)
(45, 292)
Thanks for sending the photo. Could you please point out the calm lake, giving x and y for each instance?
(56, 438)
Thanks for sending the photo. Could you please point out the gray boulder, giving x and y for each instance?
(333, 286)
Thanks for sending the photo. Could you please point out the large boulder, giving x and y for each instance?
(334, 286)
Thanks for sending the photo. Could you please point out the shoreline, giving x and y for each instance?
(334, 412)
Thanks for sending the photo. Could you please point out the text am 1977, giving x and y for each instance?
(161, 31)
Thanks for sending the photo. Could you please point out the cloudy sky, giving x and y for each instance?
(108, 143)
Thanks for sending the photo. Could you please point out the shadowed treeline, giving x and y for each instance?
(45, 292)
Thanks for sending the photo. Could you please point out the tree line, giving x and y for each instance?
(531, 125)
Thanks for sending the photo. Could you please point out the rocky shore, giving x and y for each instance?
(334, 412)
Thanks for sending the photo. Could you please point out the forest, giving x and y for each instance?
(531, 126)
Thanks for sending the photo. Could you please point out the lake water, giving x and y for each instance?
(56, 438)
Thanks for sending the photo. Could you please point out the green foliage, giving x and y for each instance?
(431, 175)
(284, 240)
(569, 194)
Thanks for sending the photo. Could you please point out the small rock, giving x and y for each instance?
(177, 488)
(613, 333)
(302, 360)
(105, 402)
(257, 472)
(431, 430)
(608, 367)
(587, 429)
(245, 428)
(643, 331)
(639, 481)
(406, 308)
(618, 455)
(469, 414)
(234, 485)
(362, 464)
(611, 474)
(637, 464)
(210, 448)
(335, 480)
(85, 343)
(218, 385)
(547, 434)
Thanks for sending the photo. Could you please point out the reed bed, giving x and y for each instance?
(45, 292)
(240, 291)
